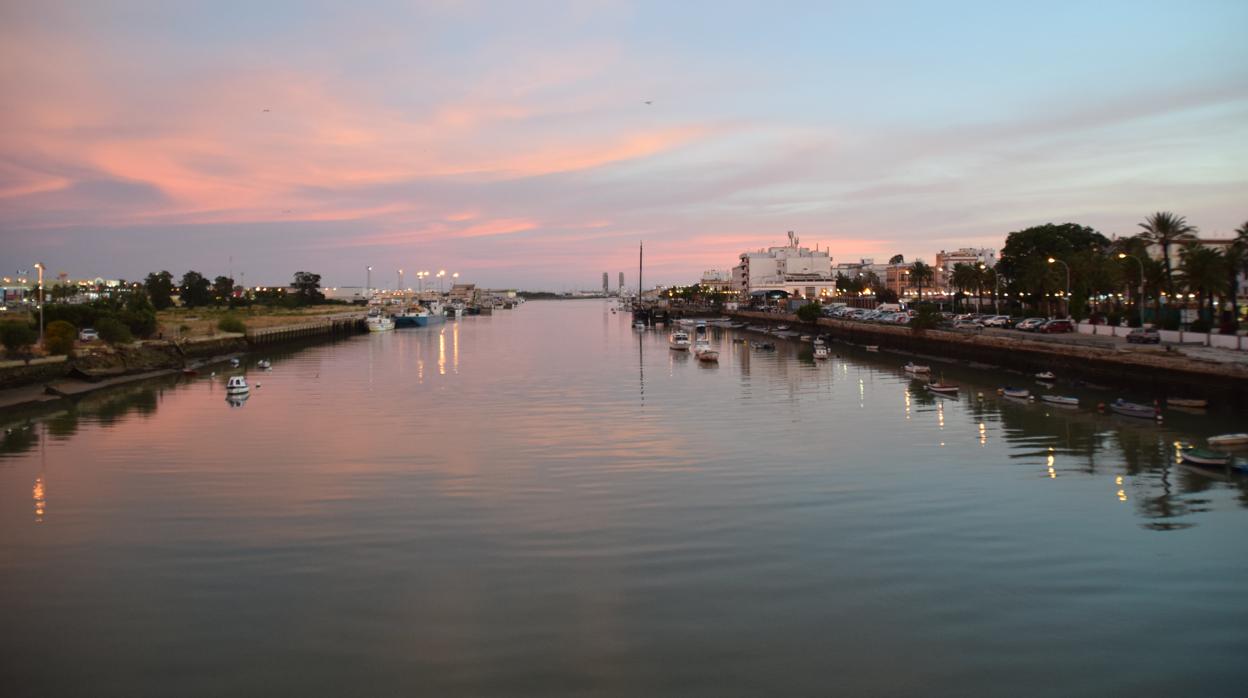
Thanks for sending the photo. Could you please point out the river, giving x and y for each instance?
(548, 502)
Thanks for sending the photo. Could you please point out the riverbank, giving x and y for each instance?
(1141, 368)
(98, 366)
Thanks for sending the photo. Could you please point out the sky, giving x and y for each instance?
(535, 144)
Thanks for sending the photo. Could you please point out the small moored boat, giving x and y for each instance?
(1063, 400)
(763, 346)
(1205, 457)
(1239, 439)
(1017, 393)
(237, 385)
(821, 350)
(943, 388)
(1186, 402)
(235, 363)
(1132, 409)
(1046, 376)
(916, 368)
(264, 363)
(679, 341)
(873, 348)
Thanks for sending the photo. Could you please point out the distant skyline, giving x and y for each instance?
(534, 144)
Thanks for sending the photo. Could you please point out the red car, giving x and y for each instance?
(1055, 326)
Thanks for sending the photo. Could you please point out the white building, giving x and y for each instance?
(798, 270)
(973, 256)
(717, 280)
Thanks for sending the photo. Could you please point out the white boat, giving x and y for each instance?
(235, 363)
(916, 368)
(1205, 456)
(943, 388)
(873, 348)
(264, 363)
(1238, 439)
(1017, 393)
(639, 325)
(1133, 409)
(821, 350)
(702, 349)
(679, 341)
(1046, 376)
(1063, 400)
(237, 385)
(379, 323)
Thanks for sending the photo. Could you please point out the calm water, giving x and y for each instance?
(547, 502)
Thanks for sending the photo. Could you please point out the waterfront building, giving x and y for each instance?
(946, 261)
(716, 280)
(799, 271)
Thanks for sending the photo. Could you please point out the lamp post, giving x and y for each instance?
(39, 266)
(1053, 260)
(441, 273)
(400, 287)
(368, 285)
(1139, 299)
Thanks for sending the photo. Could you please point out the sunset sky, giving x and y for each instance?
(512, 141)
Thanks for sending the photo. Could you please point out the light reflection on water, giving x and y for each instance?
(547, 501)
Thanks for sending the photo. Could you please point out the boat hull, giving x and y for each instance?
(431, 319)
(1206, 458)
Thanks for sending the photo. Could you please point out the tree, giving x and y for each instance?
(1236, 264)
(17, 337)
(223, 290)
(897, 259)
(196, 290)
(112, 331)
(920, 273)
(926, 317)
(810, 312)
(1165, 229)
(965, 277)
(1203, 270)
(59, 337)
(160, 289)
(886, 295)
(1024, 258)
(308, 288)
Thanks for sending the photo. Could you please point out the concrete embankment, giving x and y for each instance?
(1144, 370)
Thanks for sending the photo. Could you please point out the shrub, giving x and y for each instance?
(112, 331)
(809, 312)
(926, 317)
(229, 323)
(59, 337)
(17, 337)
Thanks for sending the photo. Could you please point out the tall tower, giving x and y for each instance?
(619, 291)
(606, 288)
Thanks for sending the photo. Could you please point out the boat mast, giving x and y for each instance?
(641, 248)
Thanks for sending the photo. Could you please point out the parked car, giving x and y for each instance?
(88, 335)
(1056, 326)
(996, 321)
(1144, 335)
(1030, 324)
(967, 325)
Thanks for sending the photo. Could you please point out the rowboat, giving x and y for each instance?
(821, 350)
(1239, 439)
(1133, 409)
(916, 368)
(1205, 456)
(1018, 393)
(943, 388)
(1063, 400)
(1046, 376)
(1186, 402)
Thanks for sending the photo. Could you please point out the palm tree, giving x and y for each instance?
(920, 273)
(1236, 264)
(1165, 229)
(964, 276)
(1204, 272)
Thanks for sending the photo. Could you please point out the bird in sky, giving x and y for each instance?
(647, 102)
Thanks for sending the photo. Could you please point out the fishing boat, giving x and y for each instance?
(1017, 393)
(679, 341)
(237, 385)
(639, 325)
(703, 351)
(1205, 456)
(942, 388)
(379, 323)
(1186, 402)
(821, 350)
(916, 368)
(1063, 400)
(1239, 439)
(1133, 409)
(264, 363)
(1046, 376)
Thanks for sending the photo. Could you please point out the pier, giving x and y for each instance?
(329, 325)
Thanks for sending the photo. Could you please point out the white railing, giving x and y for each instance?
(1221, 341)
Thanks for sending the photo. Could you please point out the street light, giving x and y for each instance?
(1053, 260)
(400, 286)
(368, 285)
(441, 273)
(1139, 300)
(39, 266)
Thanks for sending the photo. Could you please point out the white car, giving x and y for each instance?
(88, 335)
